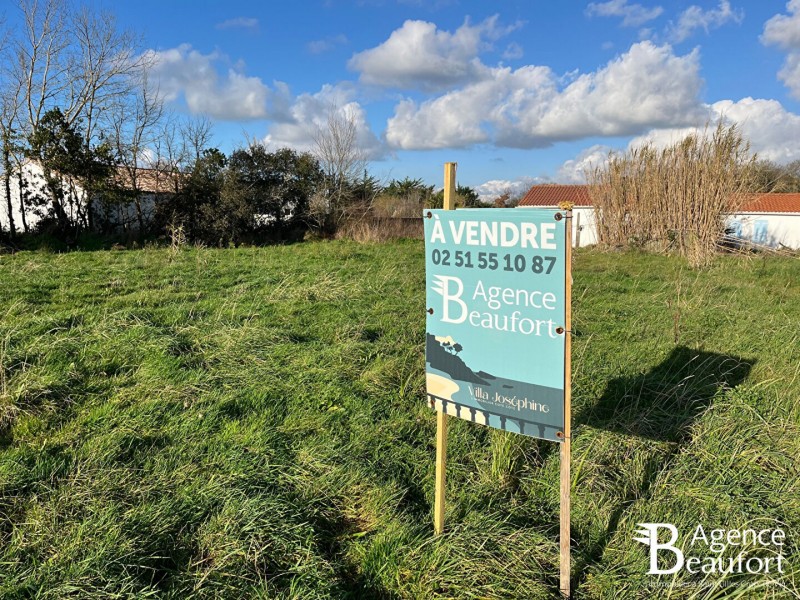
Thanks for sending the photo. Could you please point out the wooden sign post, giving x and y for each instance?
(566, 450)
(441, 416)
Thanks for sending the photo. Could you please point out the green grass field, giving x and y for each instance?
(252, 423)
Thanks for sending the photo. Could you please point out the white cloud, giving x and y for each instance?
(632, 15)
(695, 17)
(327, 44)
(576, 169)
(661, 138)
(790, 73)
(239, 23)
(644, 88)
(309, 112)
(494, 188)
(784, 31)
(183, 71)
(513, 51)
(418, 55)
(774, 132)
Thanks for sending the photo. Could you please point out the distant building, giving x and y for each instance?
(549, 195)
(28, 190)
(153, 185)
(118, 213)
(771, 220)
(768, 220)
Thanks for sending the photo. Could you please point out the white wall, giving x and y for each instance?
(584, 228)
(584, 231)
(122, 217)
(775, 230)
(35, 186)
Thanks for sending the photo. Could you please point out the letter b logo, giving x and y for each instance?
(450, 289)
(649, 533)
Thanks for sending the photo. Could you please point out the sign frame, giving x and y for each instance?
(495, 334)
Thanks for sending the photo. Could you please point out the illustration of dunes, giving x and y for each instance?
(441, 387)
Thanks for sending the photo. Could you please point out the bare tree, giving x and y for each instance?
(176, 153)
(103, 67)
(342, 161)
(196, 135)
(41, 61)
(134, 128)
(74, 59)
(9, 106)
(177, 147)
(167, 157)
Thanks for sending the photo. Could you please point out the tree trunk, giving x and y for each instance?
(139, 215)
(7, 181)
(89, 195)
(57, 193)
(22, 203)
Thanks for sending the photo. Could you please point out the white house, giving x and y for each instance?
(771, 220)
(30, 179)
(766, 220)
(584, 231)
(30, 199)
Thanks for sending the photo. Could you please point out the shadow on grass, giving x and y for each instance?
(663, 403)
(662, 406)
(351, 583)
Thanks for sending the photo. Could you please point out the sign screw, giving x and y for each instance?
(560, 435)
(429, 215)
(559, 216)
(429, 311)
(559, 330)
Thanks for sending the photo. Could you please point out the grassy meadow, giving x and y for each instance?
(252, 423)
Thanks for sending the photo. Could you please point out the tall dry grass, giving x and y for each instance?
(675, 198)
(377, 229)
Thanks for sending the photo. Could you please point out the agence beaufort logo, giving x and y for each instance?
(704, 551)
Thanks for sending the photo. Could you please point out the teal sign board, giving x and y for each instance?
(495, 339)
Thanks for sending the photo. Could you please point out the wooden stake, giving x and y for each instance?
(566, 451)
(441, 464)
(441, 417)
(450, 186)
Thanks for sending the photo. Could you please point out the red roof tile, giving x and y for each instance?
(148, 181)
(552, 194)
(777, 203)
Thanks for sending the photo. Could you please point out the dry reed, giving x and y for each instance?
(675, 198)
(375, 229)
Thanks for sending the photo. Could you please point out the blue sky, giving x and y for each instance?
(514, 92)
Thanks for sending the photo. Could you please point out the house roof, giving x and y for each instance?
(775, 203)
(149, 181)
(550, 194)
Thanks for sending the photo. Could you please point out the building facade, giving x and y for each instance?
(766, 220)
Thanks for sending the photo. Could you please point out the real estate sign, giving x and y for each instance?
(495, 338)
